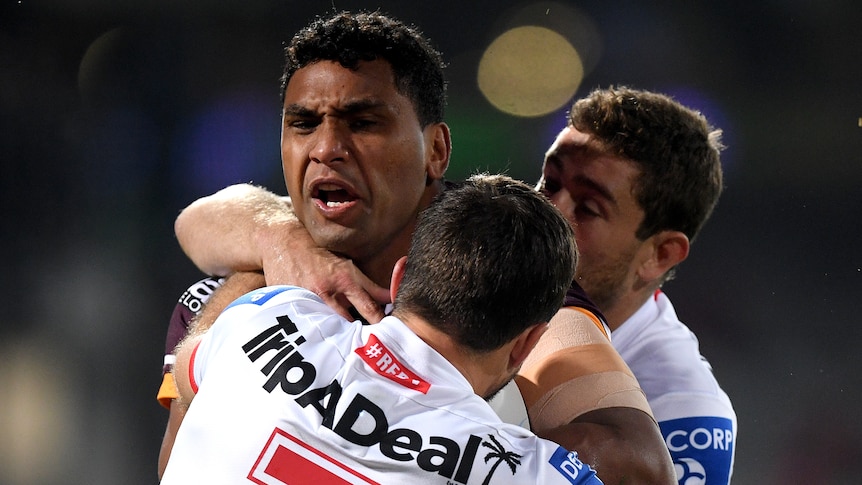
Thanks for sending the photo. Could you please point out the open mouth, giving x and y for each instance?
(332, 195)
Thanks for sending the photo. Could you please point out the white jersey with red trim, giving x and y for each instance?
(695, 415)
(290, 392)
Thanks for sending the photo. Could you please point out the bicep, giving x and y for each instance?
(623, 444)
(575, 370)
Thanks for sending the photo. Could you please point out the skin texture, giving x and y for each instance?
(261, 232)
(623, 444)
(350, 136)
(594, 190)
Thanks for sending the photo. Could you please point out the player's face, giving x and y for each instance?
(594, 190)
(355, 157)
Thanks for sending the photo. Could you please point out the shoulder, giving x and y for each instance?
(665, 357)
(573, 370)
(577, 297)
(569, 327)
(199, 293)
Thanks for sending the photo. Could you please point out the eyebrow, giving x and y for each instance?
(601, 189)
(584, 180)
(350, 108)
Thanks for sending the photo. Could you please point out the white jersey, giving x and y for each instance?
(290, 392)
(695, 415)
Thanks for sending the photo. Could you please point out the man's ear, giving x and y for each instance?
(439, 147)
(524, 344)
(668, 249)
(397, 276)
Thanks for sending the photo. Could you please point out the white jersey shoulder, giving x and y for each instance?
(285, 384)
(695, 415)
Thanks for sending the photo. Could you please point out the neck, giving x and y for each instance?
(621, 310)
(477, 369)
(378, 267)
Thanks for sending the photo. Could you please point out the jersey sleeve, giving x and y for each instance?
(188, 306)
(565, 467)
(702, 447)
(577, 298)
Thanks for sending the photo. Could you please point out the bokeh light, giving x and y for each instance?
(530, 71)
(234, 139)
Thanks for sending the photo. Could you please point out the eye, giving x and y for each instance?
(360, 124)
(587, 209)
(549, 186)
(302, 124)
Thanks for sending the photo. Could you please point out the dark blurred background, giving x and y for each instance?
(117, 114)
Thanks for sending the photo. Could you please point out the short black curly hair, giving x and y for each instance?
(349, 38)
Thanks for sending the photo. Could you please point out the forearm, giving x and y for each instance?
(233, 229)
(247, 228)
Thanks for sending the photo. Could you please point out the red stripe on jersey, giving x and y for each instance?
(192, 381)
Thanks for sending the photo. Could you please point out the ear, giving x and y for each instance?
(668, 249)
(439, 146)
(397, 276)
(524, 344)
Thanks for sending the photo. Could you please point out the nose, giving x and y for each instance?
(330, 144)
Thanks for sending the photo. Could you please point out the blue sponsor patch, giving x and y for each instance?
(701, 448)
(259, 297)
(567, 463)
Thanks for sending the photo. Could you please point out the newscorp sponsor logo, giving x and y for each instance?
(701, 448)
(689, 471)
(362, 422)
(700, 439)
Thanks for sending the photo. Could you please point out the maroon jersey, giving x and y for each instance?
(576, 296)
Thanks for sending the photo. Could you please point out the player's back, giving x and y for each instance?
(288, 389)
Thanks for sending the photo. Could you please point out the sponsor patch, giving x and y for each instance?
(285, 459)
(568, 465)
(701, 448)
(379, 358)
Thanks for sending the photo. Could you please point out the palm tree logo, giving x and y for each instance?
(501, 455)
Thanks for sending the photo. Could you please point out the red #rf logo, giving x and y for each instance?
(379, 358)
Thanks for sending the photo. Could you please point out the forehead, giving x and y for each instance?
(577, 157)
(573, 143)
(326, 84)
(575, 148)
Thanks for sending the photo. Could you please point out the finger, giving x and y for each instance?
(338, 303)
(369, 301)
(367, 307)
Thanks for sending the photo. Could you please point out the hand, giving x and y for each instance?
(291, 257)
